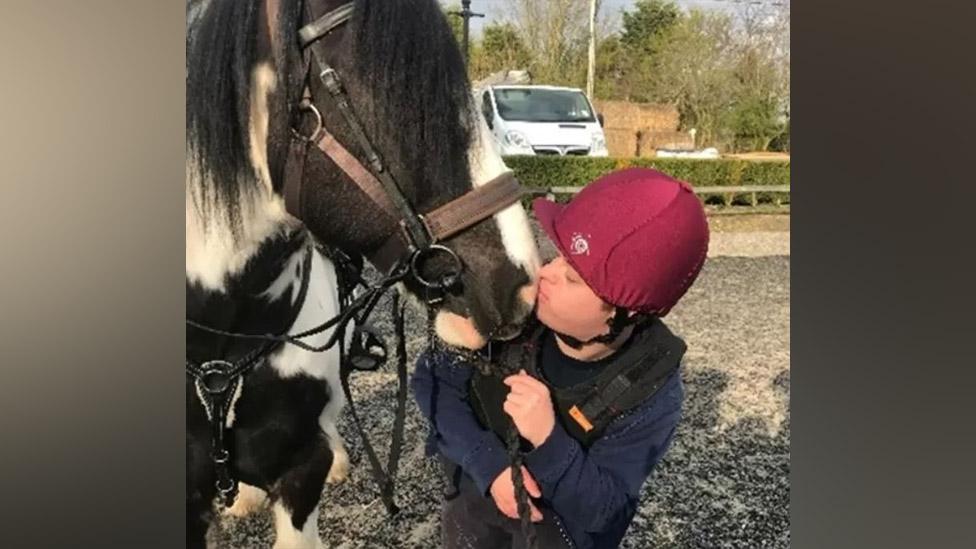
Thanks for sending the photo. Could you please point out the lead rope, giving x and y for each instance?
(517, 459)
(512, 437)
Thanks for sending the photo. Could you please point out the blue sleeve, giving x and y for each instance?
(440, 386)
(593, 487)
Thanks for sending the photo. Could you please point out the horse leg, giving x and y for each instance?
(198, 517)
(249, 499)
(296, 497)
(339, 471)
(327, 421)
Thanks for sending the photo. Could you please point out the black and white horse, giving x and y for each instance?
(245, 254)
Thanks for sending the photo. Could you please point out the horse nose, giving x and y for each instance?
(507, 332)
(529, 292)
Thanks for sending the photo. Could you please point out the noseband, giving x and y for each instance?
(418, 236)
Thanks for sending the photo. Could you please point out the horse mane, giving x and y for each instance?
(423, 97)
(419, 99)
(221, 51)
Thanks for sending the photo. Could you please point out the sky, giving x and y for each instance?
(493, 9)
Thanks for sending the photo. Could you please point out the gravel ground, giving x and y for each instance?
(725, 481)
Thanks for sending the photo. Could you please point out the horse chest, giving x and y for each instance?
(275, 420)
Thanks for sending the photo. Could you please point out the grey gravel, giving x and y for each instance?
(724, 483)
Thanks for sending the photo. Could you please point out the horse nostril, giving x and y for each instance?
(507, 332)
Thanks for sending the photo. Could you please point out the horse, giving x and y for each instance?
(255, 259)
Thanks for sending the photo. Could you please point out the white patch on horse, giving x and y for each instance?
(486, 164)
(290, 277)
(212, 252)
(262, 84)
(321, 304)
(339, 470)
(287, 537)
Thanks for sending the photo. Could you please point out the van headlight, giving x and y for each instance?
(517, 140)
(598, 144)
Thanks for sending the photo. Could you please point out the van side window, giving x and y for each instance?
(486, 109)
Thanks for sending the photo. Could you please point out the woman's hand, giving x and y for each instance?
(503, 492)
(530, 407)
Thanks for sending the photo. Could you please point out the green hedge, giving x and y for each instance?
(553, 171)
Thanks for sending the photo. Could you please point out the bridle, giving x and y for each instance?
(418, 238)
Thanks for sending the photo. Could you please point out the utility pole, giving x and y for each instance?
(466, 14)
(591, 66)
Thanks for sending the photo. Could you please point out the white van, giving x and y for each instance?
(538, 120)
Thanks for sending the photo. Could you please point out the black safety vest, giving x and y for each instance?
(634, 374)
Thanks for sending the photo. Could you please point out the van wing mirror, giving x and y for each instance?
(487, 113)
(599, 117)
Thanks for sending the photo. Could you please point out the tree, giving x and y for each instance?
(552, 30)
(629, 60)
(647, 24)
(500, 48)
(760, 112)
(694, 71)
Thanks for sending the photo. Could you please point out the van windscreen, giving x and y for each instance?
(542, 105)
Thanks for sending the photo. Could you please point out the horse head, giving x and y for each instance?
(406, 85)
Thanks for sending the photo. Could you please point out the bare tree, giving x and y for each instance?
(555, 33)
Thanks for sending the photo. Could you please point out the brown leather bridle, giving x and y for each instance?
(419, 236)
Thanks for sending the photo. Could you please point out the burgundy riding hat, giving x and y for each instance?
(638, 237)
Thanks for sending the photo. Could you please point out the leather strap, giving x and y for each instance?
(357, 172)
(325, 24)
(474, 206)
(295, 176)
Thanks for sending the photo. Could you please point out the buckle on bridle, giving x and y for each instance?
(331, 80)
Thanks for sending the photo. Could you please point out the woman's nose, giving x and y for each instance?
(546, 271)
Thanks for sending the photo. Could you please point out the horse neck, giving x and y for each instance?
(213, 254)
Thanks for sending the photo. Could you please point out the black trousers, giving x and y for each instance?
(472, 521)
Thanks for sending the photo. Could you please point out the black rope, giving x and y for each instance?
(358, 309)
(385, 478)
(517, 459)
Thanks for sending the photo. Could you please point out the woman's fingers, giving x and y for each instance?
(535, 515)
(521, 400)
(530, 484)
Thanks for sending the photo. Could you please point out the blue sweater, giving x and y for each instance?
(594, 491)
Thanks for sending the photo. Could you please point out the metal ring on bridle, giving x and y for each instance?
(307, 105)
(215, 378)
(445, 281)
(227, 487)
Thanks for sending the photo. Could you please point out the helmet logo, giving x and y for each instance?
(580, 245)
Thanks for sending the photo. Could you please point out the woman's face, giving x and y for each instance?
(567, 305)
